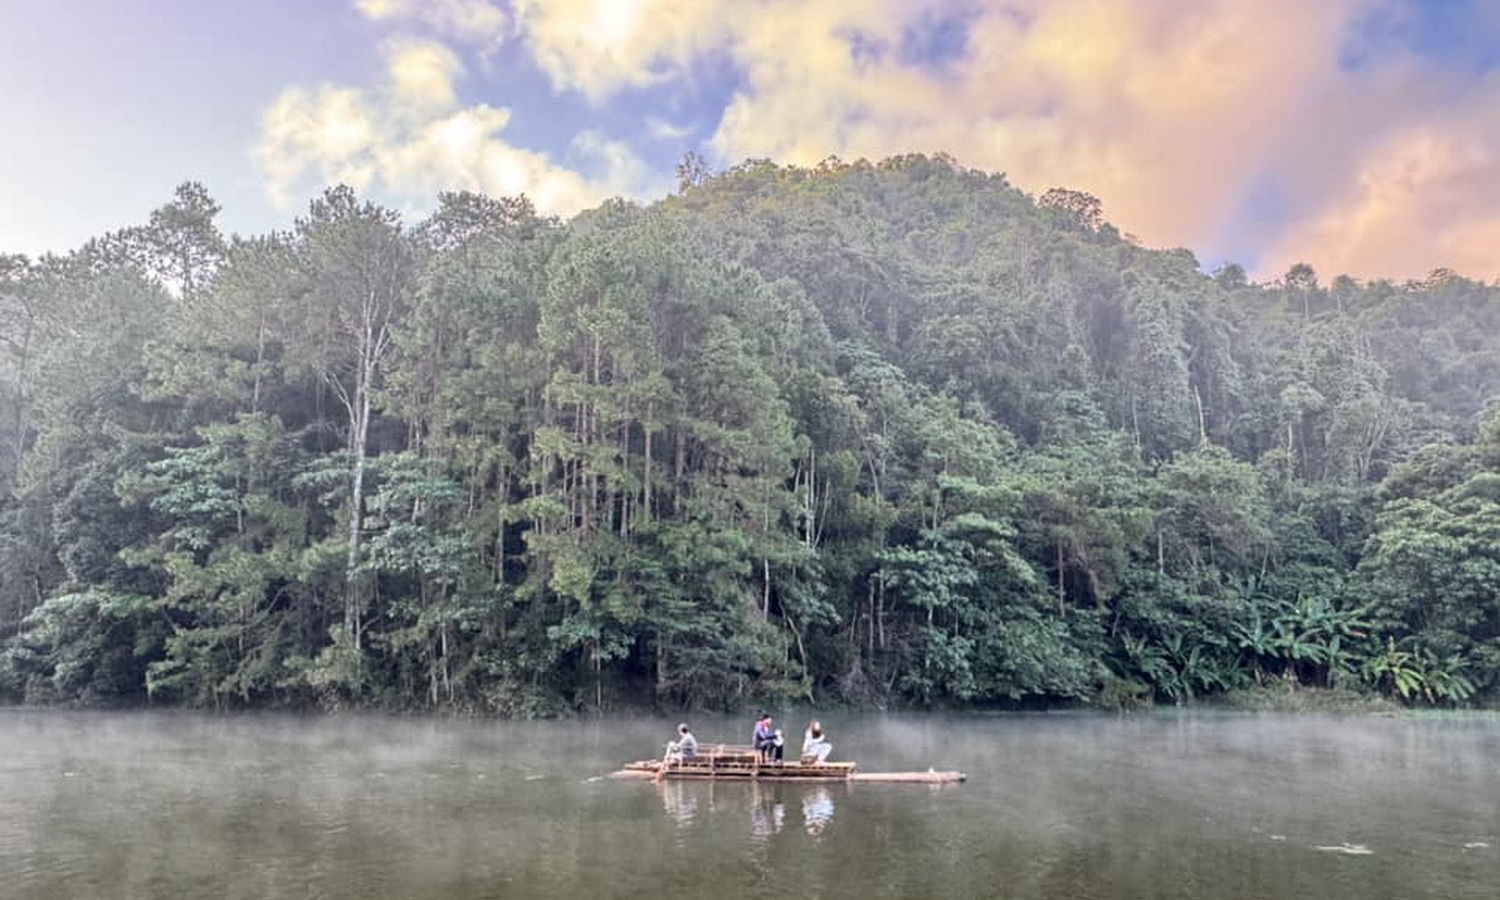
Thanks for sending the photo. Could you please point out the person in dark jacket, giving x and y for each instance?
(765, 740)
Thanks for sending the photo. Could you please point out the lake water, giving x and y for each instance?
(130, 806)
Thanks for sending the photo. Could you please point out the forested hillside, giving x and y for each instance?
(881, 434)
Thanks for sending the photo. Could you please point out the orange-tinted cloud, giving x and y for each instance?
(1428, 196)
(1172, 113)
(1157, 107)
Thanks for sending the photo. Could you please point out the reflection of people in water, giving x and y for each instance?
(815, 747)
(680, 801)
(817, 810)
(767, 816)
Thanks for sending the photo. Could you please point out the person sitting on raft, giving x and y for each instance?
(764, 740)
(815, 747)
(685, 747)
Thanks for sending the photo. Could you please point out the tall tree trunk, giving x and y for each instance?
(661, 664)
(260, 361)
(18, 447)
(358, 444)
(811, 502)
(447, 664)
(500, 498)
(679, 465)
(1062, 583)
(593, 435)
(1202, 426)
(620, 488)
(765, 596)
(646, 465)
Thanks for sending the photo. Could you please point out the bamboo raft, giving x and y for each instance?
(738, 763)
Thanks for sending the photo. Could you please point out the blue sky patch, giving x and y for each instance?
(865, 50)
(1457, 35)
(935, 41)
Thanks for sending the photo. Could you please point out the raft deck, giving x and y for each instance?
(738, 763)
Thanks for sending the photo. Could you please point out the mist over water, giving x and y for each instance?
(147, 805)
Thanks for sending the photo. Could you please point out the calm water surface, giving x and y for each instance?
(146, 805)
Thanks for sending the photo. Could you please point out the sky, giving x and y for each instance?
(1360, 136)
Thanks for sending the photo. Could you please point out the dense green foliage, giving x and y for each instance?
(875, 434)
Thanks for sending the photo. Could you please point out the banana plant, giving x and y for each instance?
(1199, 666)
(1446, 681)
(1295, 644)
(1153, 664)
(1397, 672)
(1257, 640)
(1313, 631)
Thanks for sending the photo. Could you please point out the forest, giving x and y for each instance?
(882, 435)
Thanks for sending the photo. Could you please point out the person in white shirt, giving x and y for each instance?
(685, 747)
(815, 747)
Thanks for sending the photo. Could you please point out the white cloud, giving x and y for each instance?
(410, 139)
(599, 47)
(464, 150)
(422, 74)
(620, 163)
(330, 127)
(663, 130)
(473, 21)
(620, 166)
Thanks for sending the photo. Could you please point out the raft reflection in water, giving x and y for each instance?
(687, 802)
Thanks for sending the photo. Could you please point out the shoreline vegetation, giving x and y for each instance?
(890, 435)
(1272, 699)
